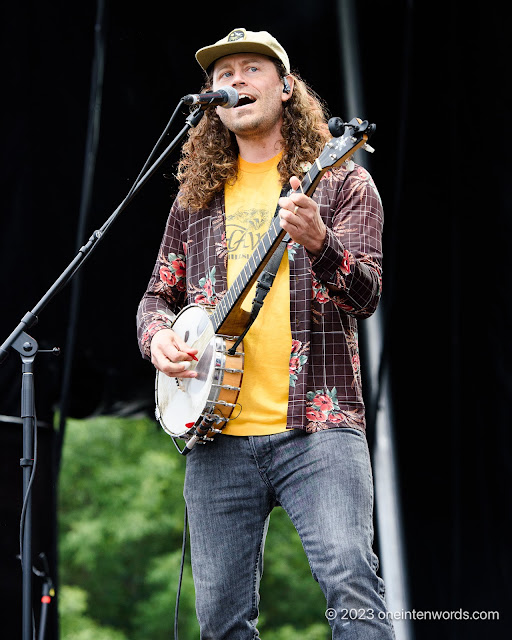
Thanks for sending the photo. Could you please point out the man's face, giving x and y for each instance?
(260, 91)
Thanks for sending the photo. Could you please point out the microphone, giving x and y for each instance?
(226, 98)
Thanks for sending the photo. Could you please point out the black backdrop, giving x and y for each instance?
(434, 82)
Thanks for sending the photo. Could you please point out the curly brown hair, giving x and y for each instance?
(210, 155)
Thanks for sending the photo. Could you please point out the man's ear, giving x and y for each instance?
(287, 87)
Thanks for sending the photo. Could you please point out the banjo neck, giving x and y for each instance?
(228, 317)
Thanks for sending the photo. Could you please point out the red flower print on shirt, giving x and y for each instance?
(324, 402)
(178, 267)
(172, 273)
(322, 406)
(314, 415)
(297, 359)
(345, 263)
(167, 276)
(206, 289)
(320, 292)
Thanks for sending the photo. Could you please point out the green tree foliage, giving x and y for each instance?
(75, 621)
(121, 515)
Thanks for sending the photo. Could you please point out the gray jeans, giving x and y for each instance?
(324, 482)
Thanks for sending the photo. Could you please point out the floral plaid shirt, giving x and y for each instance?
(327, 293)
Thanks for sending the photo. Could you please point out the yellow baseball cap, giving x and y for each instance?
(240, 41)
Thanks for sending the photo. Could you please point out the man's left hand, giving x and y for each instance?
(300, 217)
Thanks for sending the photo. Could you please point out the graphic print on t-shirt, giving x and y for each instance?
(244, 230)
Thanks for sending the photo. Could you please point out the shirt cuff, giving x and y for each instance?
(334, 256)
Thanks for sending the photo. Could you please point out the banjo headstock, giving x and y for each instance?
(347, 138)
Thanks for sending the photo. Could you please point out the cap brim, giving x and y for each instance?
(208, 55)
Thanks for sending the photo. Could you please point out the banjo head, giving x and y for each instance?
(182, 402)
(179, 402)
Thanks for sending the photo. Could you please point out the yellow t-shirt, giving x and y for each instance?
(250, 205)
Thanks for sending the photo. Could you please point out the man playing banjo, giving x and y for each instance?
(296, 435)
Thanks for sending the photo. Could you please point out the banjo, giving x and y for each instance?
(196, 409)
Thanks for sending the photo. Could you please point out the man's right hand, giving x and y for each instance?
(171, 355)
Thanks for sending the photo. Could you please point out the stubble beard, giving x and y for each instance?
(257, 125)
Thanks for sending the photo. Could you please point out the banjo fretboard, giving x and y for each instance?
(335, 152)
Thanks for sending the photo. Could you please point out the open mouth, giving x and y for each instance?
(244, 99)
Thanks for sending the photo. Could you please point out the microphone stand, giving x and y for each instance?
(27, 347)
